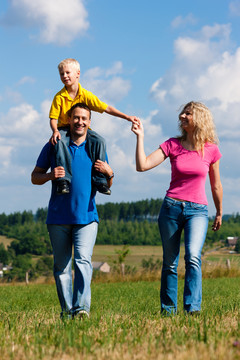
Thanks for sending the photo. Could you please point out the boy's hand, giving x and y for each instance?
(57, 172)
(134, 120)
(54, 138)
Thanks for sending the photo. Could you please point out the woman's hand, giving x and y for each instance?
(137, 129)
(217, 223)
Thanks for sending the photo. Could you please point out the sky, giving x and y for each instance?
(146, 58)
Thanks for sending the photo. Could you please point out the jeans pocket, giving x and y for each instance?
(167, 203)
(201, 207)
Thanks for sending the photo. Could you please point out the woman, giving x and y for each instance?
(193, 155)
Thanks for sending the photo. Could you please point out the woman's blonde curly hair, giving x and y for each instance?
(205, 130)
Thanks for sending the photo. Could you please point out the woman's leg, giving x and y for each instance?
(170, 226)
(195, 230)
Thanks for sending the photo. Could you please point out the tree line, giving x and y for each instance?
(132, 223)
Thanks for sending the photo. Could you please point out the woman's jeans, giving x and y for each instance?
(174, 217)
(82, 238)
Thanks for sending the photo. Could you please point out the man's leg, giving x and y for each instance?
(84, 237)
(61, 240)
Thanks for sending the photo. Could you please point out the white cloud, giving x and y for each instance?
(205, 69)
(5, 154)
(26, 80)
(58, 22)
(106, 83)
(234, 8)
(181, 21)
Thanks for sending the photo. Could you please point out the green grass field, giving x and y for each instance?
(137, 253)
(125, 323)
(5, 241)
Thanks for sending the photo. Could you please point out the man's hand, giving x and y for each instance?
(103, 167)
(54, 138)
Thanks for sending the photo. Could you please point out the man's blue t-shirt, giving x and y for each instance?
(77, 207)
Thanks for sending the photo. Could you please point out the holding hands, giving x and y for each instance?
(137, 128)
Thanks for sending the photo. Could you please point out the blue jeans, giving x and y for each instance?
(96, 148)
(62, 154)
(174, 217)
(82, 238)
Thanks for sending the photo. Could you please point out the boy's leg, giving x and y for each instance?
(63, 158)
(97, 151)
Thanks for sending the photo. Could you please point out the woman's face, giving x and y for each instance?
(186, 119)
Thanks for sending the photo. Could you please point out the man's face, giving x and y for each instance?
(79, 122)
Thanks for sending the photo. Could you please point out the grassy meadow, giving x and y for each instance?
(125, 323)
(137, 253)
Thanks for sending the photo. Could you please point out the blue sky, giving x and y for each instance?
(145, 58)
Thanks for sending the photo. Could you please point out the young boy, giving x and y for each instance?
(71, 93)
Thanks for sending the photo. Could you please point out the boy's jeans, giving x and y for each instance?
(96, 147)
(173, 218)
(82, 238)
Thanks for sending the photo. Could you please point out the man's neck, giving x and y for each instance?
(78, 140)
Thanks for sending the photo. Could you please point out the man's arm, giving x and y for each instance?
(114, 112)
(40, 176)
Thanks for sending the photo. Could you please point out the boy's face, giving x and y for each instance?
(69, 75)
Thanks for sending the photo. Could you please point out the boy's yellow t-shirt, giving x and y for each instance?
(62, 102)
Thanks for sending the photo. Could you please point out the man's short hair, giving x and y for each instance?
(81, 106)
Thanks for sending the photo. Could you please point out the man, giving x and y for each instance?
(72, 218)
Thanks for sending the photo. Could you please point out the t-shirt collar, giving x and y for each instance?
(64, 92)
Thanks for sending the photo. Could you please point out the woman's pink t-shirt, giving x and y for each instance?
(189, 170)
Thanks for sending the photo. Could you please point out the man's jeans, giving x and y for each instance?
(174, 217)
(82, 238)
(96, 148)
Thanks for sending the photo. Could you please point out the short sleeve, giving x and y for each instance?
(166, 147)
(216, 155)
(44, 159)
(93, 102)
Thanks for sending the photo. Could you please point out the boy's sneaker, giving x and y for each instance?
(63, 187)
(103, 189)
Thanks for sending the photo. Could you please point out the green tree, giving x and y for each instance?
(237, 247)
(4, 256)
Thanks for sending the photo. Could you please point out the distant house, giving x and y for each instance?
(101, 266)
(232, 241)
(4, 268)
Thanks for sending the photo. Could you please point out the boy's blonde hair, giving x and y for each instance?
(205, 130)
(74, 63)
